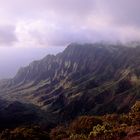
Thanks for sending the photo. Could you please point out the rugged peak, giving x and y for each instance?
(104, 46)
(74, 57)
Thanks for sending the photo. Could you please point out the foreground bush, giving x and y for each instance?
(107, 127)
(84, 124)
(59, 133)
(24, 133)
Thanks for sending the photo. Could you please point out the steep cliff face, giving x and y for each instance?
(83, 79)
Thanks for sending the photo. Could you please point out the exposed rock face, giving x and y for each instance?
(83, 79)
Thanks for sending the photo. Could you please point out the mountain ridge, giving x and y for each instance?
(99, 78)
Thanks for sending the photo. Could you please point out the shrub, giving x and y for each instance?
(78, 137)
(84, 124)
(104, 132)
(24, 133)
(59, 133)
(136, 107)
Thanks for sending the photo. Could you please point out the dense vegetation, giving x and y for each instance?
(107, 127)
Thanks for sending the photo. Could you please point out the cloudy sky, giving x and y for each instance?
(30, 29)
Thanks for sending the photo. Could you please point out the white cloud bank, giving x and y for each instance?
(60, 22)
